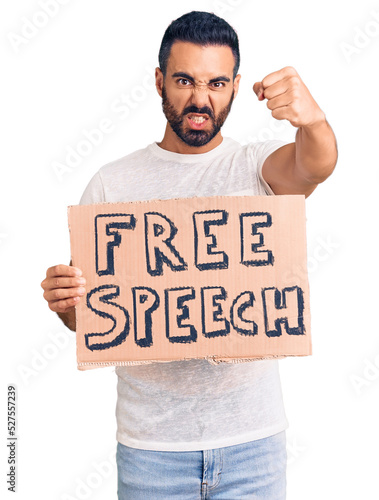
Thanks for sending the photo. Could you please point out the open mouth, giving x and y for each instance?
(197, 121)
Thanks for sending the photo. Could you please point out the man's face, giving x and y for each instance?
(198, 91)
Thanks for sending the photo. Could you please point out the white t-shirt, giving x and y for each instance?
(192, 405)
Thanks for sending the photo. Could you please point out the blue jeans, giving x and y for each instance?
(254, 471)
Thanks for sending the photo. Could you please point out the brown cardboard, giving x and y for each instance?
(211, 278)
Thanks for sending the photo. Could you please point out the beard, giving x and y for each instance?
(195, 138)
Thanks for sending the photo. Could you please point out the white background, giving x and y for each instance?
(68, 75)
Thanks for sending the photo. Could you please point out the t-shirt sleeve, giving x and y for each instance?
(259, 151)
(94, 192)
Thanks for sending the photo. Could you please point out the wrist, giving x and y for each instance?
(319, 122)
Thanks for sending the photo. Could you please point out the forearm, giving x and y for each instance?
(316, 152)
(69, 318)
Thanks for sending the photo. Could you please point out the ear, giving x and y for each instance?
(159, 80)
(236, 85)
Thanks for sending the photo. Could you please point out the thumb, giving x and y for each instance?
(258, 89)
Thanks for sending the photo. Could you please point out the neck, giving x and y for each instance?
(171, 142)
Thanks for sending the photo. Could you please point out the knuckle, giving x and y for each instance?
(296, 110)
(56, 282)
(269, 93)
(58, 294)
(296, 93)
(295, 82)
(61, 306)
(52, 306)
(55, 269)
(290, 70)
(296, 118)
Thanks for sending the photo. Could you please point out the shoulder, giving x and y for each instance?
(130, 160)
(255, 155)
(261, 150)
(113, 176)
(253, 151)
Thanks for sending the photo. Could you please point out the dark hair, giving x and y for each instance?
(202, 28)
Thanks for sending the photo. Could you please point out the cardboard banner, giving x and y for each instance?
(214, 278)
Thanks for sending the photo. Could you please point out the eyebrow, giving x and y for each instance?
(188, 77)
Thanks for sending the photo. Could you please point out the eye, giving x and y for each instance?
(218, 85)
(184, 82)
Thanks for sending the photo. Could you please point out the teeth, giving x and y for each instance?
(197, 119)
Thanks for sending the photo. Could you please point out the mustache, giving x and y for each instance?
(195, 109)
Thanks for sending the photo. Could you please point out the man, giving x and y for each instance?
(189, 429)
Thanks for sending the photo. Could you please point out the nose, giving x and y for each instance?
(200, 95)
